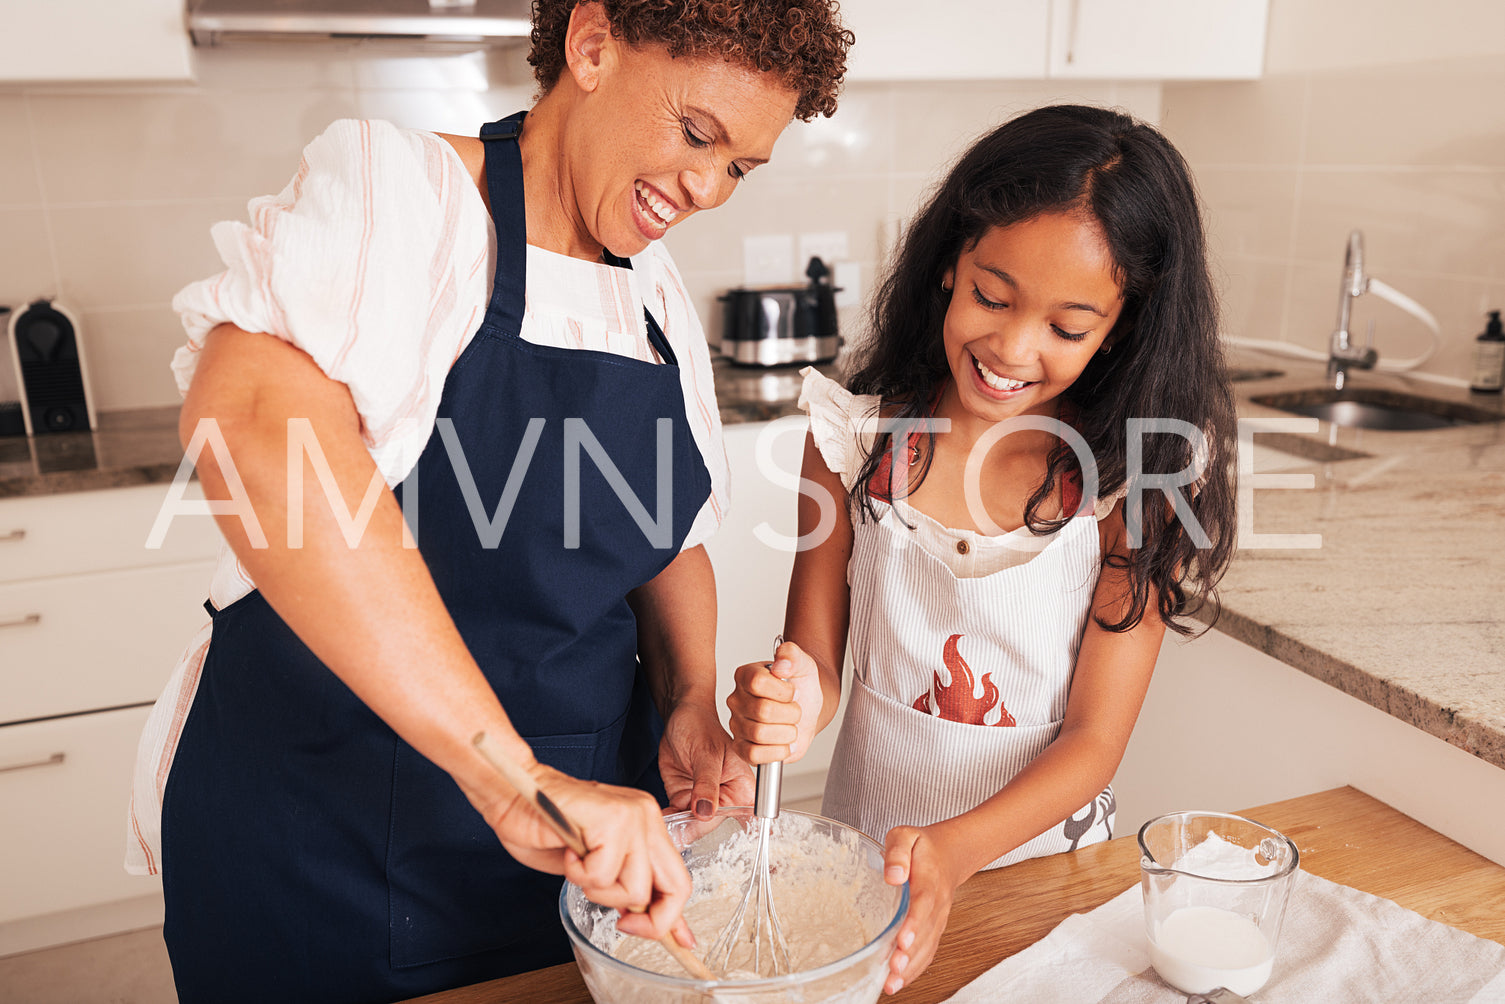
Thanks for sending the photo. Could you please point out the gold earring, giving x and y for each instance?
(1105, 350)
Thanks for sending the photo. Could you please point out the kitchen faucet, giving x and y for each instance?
(1342, 352)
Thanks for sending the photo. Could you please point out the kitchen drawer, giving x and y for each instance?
(64, 788)
(44, 535)
(84, 642)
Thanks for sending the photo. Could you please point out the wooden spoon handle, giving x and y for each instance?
(523, 782)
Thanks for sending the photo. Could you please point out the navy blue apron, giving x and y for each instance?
(309, 853)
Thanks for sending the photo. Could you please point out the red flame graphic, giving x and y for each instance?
(956, 703)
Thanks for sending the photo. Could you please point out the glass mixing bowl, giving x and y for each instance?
(855, 979)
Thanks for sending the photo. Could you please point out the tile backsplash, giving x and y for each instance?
(1386, 118)
(107, 192)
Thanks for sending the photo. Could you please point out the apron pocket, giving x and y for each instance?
(894, 765)
(452, 889)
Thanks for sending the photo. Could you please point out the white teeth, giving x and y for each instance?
(994, 380)
(661, 209)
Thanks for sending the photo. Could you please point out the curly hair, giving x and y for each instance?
(802, 41)
(1167, 361)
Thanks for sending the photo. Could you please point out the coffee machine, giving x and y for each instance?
(48, 354)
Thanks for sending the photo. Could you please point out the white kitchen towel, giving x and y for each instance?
(1338, 945)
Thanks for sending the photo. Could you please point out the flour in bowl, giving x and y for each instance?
(839, 917)
(818, 894)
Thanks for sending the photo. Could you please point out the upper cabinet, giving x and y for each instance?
(947, 39)
(1040, 39)
(82, 40)
(1158, 39)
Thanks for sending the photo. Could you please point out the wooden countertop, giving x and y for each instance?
(1344, 836)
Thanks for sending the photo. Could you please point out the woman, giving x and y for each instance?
(312, 846)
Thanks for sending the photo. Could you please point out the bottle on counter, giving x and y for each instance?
(1489, 357)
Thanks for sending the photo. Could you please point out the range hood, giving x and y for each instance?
(212, 22)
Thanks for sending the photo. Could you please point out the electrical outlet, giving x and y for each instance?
(830, 246)
(768, 260)
(848, 279)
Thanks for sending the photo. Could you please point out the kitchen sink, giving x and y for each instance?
(1377, 408)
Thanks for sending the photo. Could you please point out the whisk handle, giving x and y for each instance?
(770, 785)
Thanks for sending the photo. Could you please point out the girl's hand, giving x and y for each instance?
(631, 864)
(776, 706)
(699, 764)
(912, 854)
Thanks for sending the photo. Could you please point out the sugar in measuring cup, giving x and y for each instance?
(1215, 891)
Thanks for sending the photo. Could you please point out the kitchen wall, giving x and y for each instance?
(107, 192)
(1385, 117)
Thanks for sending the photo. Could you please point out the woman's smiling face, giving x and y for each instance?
(1030, 305)
(664, 137)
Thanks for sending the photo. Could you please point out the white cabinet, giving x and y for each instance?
(1158, 39)
(90, 616)
(91, 623)
(73, 40)
(752, 568)
(947, 39)
(82, 642)
(65, 784)
(1225, 726)
(1040, 39)
(43, 536)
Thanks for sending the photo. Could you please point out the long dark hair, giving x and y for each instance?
(1166, 359)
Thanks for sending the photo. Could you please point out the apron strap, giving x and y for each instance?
(656, 336)
(504, 185)
(504, 189)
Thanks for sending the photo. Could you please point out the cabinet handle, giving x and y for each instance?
(52, 761)
(17, 535)
(26, 620)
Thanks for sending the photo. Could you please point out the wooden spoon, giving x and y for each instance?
(523, 782)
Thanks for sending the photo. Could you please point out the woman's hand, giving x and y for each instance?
(914, 855)
(776, 706)
(700, 766)
(631, 864)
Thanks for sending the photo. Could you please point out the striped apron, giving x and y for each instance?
(958, 682)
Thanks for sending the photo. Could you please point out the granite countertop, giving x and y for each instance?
(756, 394)
(1397, 607)
(133, 447)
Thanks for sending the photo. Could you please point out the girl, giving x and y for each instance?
(1016, 542)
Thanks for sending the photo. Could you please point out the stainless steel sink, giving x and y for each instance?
(1376, 408)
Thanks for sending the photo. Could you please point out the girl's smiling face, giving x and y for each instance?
(1031, 304)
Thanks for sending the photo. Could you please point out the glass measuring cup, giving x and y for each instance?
(1215, 889)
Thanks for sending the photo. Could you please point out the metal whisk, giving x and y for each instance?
(767, 953)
